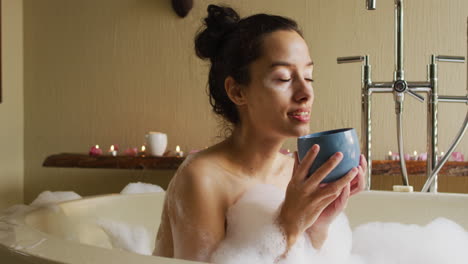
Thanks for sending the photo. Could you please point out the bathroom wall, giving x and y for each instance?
(105, 72)
(11, 108)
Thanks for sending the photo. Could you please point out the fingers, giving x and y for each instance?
(345, 196)
(363, 163)
(342, 200)
(302, 168)
(322, 172)
(296, 163)
(338, 199)
(336, 187)
(359, 182)
(348, 177)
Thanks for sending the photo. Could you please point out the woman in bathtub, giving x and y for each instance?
(260, 81)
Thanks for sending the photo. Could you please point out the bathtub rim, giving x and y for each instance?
(56, 246)
(119, 256)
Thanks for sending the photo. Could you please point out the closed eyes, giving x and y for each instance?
(287, 80)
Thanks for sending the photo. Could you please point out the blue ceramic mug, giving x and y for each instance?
(340, 140)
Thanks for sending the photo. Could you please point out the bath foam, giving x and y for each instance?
(47, 198)
(440, 241)
(140, 187)
(252, 236)
(123, 236)
(337, 247)
(8, 220)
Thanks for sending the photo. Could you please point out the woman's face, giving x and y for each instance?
(280, 94)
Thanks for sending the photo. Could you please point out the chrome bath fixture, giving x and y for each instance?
(399, 87)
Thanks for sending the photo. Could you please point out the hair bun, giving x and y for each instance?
(220, 21)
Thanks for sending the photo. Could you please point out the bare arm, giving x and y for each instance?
(197, 217)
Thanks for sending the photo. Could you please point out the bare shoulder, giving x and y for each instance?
(192, 196)
(198, 177)
(200, 169)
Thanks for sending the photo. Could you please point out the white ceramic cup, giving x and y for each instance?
(156, 143)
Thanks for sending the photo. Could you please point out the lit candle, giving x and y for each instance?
(143, 151)
(95, 151)
(113, 151)
(415, 155)
(441, 155)
(178, 152)
(395, 156)
(390, 155)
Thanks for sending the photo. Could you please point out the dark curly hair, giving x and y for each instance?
(232, 44)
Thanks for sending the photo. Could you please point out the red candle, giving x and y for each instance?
(95, 151)
(131, 152)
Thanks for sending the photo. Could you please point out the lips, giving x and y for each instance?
(302, 115)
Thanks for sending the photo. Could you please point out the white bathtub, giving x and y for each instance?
(68, 233)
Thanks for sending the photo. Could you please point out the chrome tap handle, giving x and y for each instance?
(415, 95)
(400, 87)
(445, 58)
(350, 59)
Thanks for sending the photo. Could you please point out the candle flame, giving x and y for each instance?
(442, 153)
(143, 148)
(177, 149)
(112, 148)
(97, 146)
(389, 153)
(288, 151)
(415, 153)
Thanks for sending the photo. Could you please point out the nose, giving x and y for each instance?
(304, 91)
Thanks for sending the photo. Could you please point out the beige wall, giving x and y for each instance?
(11, 109)
(105, 72)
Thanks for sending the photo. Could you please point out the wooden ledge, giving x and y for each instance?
(392, 167)
(73, 160)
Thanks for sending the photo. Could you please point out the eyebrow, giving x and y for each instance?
(282, 63)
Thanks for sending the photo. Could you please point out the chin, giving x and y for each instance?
(301, 131)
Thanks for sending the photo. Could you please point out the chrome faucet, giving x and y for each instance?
(399, 87)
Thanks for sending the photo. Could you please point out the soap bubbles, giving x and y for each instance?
(253, 237)
(47, 198)
(140, 187)
(441, 241)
